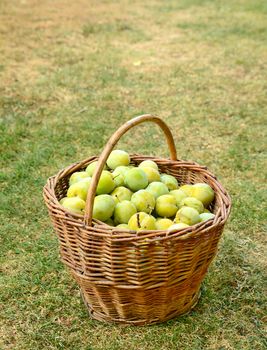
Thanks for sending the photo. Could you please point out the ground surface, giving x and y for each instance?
(70, 73)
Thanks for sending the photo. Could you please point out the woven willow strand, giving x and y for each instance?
(140, 277)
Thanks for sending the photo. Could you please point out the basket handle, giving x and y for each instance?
(109, 147)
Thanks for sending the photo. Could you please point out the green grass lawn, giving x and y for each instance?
(70, 74)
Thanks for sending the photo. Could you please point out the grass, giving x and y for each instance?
(70, 73)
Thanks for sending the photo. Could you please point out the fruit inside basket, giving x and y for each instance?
(137, 232)
(139, 197)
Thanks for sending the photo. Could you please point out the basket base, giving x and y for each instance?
(104, 318)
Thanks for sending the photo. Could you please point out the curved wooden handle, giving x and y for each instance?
(109, 147)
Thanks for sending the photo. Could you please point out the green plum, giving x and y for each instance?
(157, 189)
(121, 194)
(163, 224)
(79, 189)
(77, 176)
(86, 180)
(203, 192)
(123, 212)
(118, 158)
(152, 174)
(123, 226)
(109, 222)
(166, 205)
(179, 196)
(206, 216)
(193, 203)
(144, 201)
(170, 181)
(136, 179)
(62, 200)
(188, 215)
(74, 205)
(104, 206)
(178, 226)
(106, 183)
(187, 189)
(148, 164)
(206, 211)
(91, 168)
(176, 220)
(118, 179)
(119, 175)
(142, 221)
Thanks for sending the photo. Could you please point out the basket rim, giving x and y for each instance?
(100, 228)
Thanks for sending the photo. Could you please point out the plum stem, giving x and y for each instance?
(138, 220)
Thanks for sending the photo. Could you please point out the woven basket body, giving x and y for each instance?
(137, 278)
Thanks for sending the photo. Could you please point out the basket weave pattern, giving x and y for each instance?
(137, 278)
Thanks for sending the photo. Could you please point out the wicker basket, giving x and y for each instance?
(136, 277)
